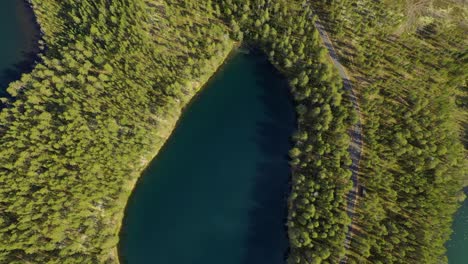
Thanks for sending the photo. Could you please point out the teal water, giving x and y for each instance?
(18, 41)
(457, 246)
(217, 192)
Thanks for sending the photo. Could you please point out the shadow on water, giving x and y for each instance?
(227, 203)
(14, 72)
(28, 48)
(271, 188)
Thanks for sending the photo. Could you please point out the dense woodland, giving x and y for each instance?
(83, 124)
(410, 63)
(116, 74)
(113, 80)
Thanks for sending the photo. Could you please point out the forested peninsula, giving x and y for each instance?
(115, 75)
(84, 123)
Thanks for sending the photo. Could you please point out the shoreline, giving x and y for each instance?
(39, 31)
(38, 39)
(200, 84)
(39, 50)
(32, 48)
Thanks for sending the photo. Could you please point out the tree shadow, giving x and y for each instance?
(14, 72)
(267, 240)
(29, 53)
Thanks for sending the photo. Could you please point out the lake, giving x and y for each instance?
(217, 191)
(457, 246)
(18, 41)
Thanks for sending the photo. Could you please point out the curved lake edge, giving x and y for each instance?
(147, 159)
(237, 51)
(31, 57)
(37, 56)
(251, 48)
(41, 44)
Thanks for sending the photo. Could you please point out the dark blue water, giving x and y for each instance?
(18, 41)
(217, 192)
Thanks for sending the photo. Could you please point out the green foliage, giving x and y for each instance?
(411, 69)
(110, 87)
(285, 31)
(83, 124)
(117, 73)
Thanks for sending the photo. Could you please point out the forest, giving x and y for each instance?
(115, 76)
(410, 64)
(81, 127)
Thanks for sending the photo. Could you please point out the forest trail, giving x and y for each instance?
(355, 147)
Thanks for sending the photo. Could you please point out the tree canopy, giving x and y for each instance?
(115, 75)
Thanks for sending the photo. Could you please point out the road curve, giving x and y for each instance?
(355, 148)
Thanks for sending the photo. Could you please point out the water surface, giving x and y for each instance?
(217, 192)
(18, 41)
(457, 246)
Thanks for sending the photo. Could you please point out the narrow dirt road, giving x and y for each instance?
(355, 147)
